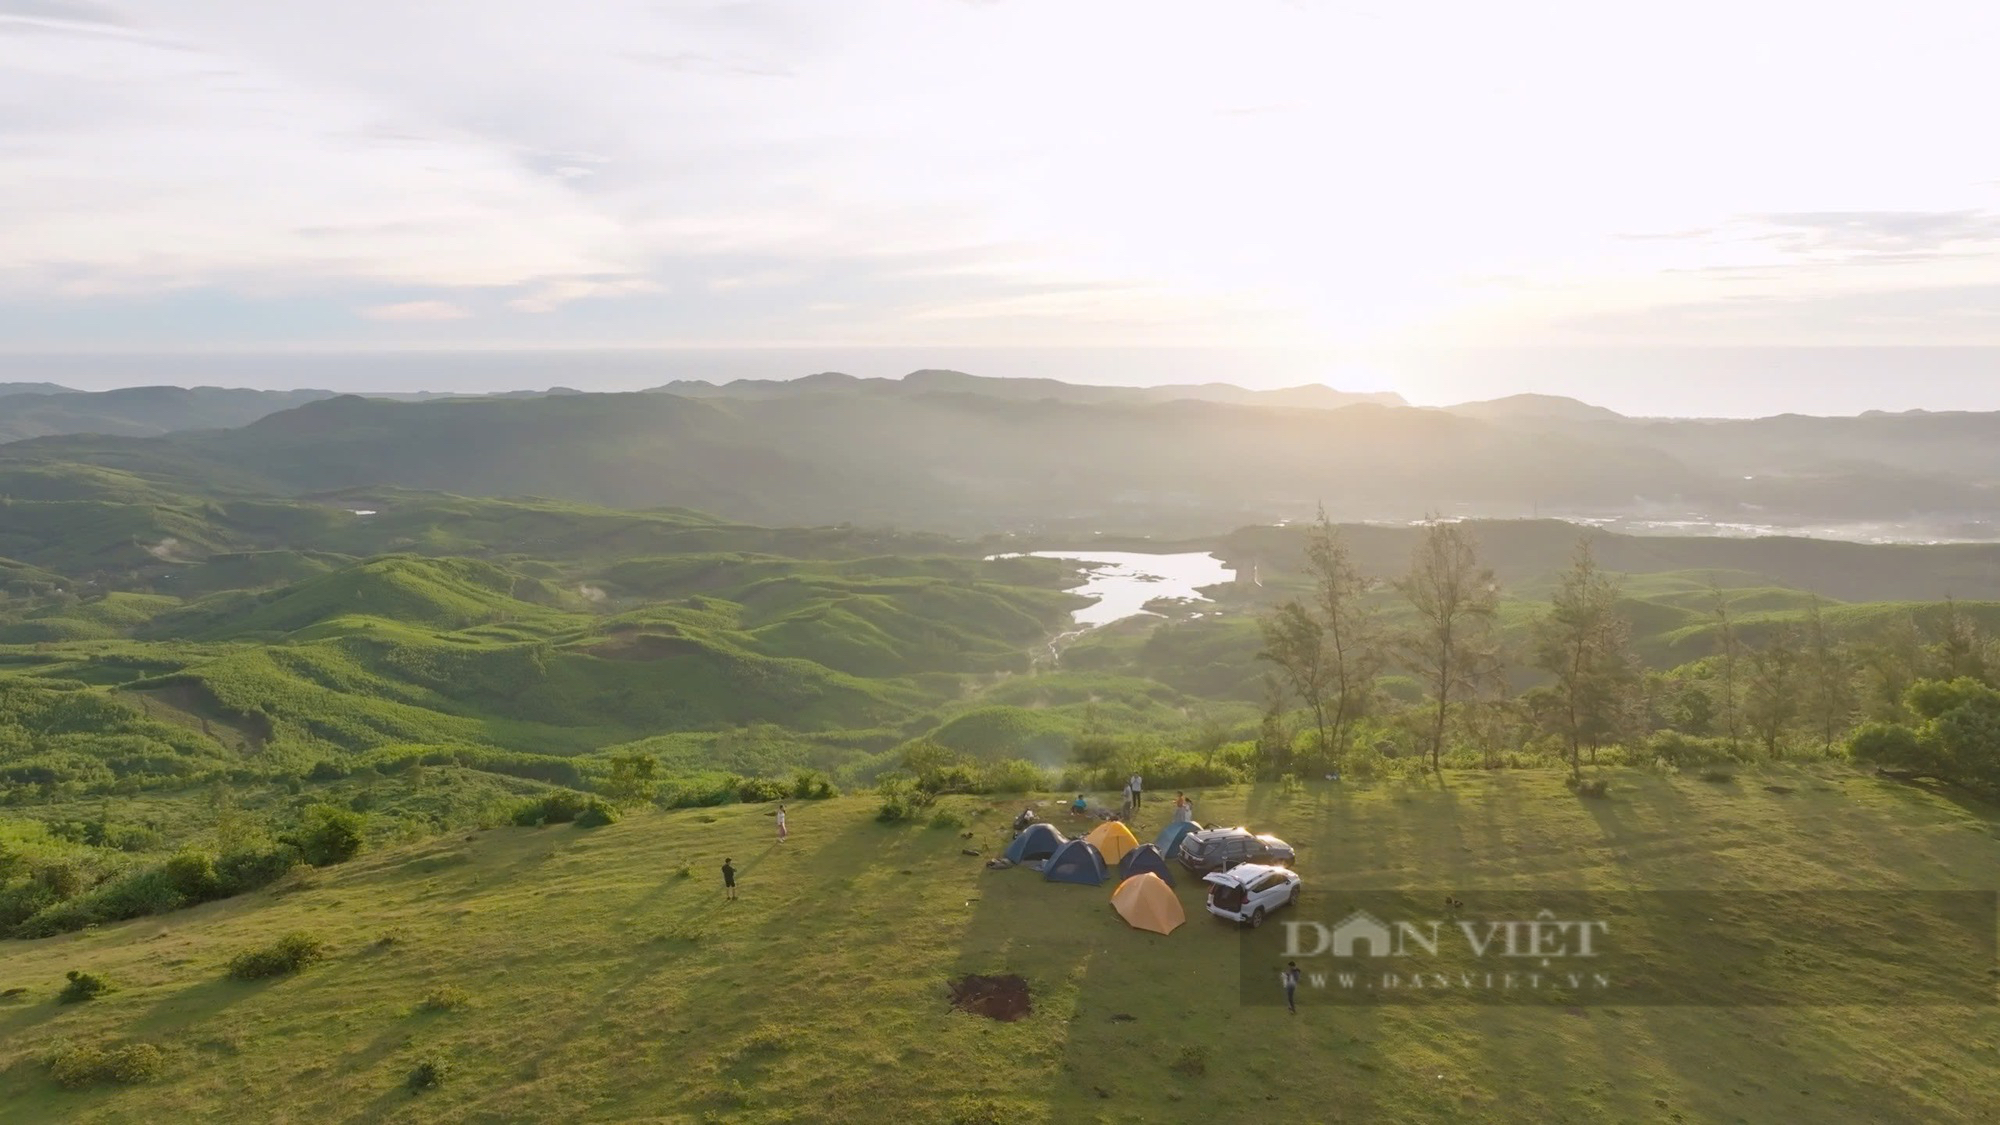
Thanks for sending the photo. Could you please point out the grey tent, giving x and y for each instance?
(1169, 840)
(1036, 841)
(1079, 861)
(1142, 859)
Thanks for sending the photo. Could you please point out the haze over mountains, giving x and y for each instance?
(947, 451)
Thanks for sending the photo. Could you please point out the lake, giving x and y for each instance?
(1124, 581)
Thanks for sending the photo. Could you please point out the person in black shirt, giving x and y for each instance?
(729, 879)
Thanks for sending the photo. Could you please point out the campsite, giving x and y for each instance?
(604, 980)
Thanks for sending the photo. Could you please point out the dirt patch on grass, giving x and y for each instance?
(1002, 998)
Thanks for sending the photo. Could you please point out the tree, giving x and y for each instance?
(1959, 653)
(1274, 741)
(1890, 664)
(1828, 671)
(1351, 634)
(633, 778)
(1452, 647)
(1770, 691)
(1295, 641)
(1729, 657)
(1585, 646)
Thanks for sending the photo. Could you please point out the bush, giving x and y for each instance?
(82, 986)
(597, 814)
(760, 790)
(1684, 751)
(248, 868)
(901, 800)
(701, 791)
(812, 785)
(968, 1110)
(429, 1074)
(565, 806)
(324, 770)
(287, 955)
(327, 835)
(193, 875)
(945, 818)
(76, 1066)
(1593, 787)
(1015, 775)
(446, 998)
(1191, 1062)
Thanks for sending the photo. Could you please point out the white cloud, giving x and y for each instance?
(1064, 173)
(417, 311)
(555, 294)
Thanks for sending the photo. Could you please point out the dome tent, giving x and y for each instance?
(1077, 862)
(1146, 904)
(1142, 859)
(1036, 841)
(1112, 840)
(1169, 839)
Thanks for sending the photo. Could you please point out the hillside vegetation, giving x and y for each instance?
(597, 975)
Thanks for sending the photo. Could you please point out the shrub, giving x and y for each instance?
(759, 790)
(901, 800)
(193, 875)
(812, 785)
(327, 835)
(1684, 751)
(82, 986)
(1191, 1062)
(288, 954)
(1015, 775)
(698, 792)
(324, 770)
(565, 806)
(446, 998)
(248, 868)
(597, 814)
(968, 1110)
(76, 1066)
(945, 818)
(429, 1074)
(1593, 787)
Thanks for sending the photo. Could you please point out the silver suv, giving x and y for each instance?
(1219, 849)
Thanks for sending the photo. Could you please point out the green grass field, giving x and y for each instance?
(603, 984)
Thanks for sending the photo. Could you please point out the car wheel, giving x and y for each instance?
(1293, 898)
(1256, 917)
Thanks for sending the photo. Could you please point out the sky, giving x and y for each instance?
(1455, 200)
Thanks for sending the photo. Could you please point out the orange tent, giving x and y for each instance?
(1147, 903)
(1112, 840)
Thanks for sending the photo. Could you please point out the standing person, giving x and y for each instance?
(1138, 783)
(729, 879)
(1183, 808)
(782, 833)
(1291, 978)
(1125, 803)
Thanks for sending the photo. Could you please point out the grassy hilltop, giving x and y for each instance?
(587, 977)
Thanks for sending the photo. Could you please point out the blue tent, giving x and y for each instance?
(1036, 841)
(1169, 840)
(1079, 861)
(1142, 859)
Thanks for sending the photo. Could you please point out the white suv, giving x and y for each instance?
(1248, 892)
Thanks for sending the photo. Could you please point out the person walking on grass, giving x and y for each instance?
(782, 831)
(1291, 978)
(729, 880)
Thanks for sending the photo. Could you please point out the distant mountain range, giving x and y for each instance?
(951, 452)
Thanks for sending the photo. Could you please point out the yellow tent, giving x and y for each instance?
(1112, 840)
(1147, 903)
